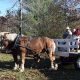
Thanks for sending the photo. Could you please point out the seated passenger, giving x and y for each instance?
(67, 33)
(76, 35)
(77, 32)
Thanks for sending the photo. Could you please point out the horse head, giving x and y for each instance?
(23, 40)
(8, 40)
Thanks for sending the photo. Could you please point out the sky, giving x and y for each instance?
(6, 5)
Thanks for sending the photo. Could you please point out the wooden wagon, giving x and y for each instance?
(69, 49)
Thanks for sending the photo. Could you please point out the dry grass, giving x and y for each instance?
(39, 72)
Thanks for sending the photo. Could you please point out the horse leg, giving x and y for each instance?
(16, 66)
(37, 57)
(55, 64)
(22, 61)
(52, 59)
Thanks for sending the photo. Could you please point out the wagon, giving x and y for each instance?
(68, 50)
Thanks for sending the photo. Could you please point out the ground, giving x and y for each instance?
(39, 72)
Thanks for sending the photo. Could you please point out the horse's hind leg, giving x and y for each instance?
(37, 57)
(52, 59)
(16, 66)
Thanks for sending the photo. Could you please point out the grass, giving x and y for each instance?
(42, 72)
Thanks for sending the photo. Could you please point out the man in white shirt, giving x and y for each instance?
(67, 33)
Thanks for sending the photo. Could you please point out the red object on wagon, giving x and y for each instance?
(77, 32)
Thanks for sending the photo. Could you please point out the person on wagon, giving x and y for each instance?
(77, 32)
(73, 32)
(67, 33)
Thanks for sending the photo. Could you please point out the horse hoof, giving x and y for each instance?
(51, 69)
(56, 67)
(21, 70)
(15, 68)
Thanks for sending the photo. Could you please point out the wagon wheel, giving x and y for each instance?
(77, 64)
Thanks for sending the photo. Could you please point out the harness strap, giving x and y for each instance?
(15, 44)
(25, 47)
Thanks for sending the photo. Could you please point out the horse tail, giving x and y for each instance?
(50, 44)
(53, 46)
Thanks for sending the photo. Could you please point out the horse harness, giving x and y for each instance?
(16, 44)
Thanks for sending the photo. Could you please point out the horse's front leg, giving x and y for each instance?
(16, 65)
(22, 61)
(52, 59)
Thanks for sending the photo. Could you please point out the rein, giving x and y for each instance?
(25, 47)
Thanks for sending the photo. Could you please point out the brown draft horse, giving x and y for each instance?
(36, 45)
